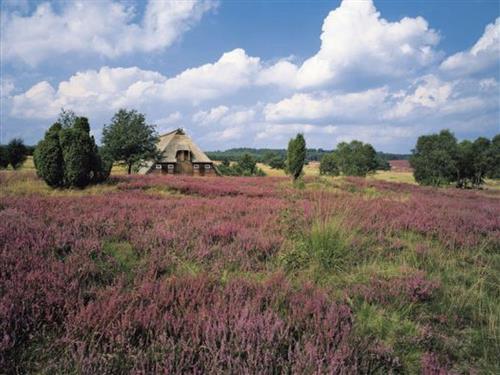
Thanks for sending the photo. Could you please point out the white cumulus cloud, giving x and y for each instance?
(107, 28)
(357, 41)
(483, 55)
(326, 105)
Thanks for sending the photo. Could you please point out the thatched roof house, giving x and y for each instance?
(180, 155)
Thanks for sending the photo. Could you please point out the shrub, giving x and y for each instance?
(277, 162)
(16, 152)
(48, 157)
(246, 166)
(68, 155)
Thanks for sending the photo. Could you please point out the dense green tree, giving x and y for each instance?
(439, 160)
(465, 163)
(328, 165)
(355, 158)
(434, 159)
(78, 147)
(128, 139)
(16, 152)
(48, 157)
(475, 161)
(296, 156)
(4, 157)
(68, 155)
(494, 157)
(482, 160)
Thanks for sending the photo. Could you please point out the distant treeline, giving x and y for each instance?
(261, 154)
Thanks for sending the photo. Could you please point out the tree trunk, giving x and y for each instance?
(129, 168)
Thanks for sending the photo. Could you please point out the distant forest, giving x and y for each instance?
(313, 154)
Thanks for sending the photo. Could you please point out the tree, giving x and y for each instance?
(494, 157)
(48, 157)
(129, 139)
(247, 164)
(4, 157)
(475, 160)
(482, 160)
(16, 152)
(435, 159)
(465, 163)
(296, 155)
(68, 155)
(78, 149)
(328, 165)
(355, 158)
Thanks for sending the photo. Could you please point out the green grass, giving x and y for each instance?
(463, 315)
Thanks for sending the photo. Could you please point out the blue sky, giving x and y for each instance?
(254, 73)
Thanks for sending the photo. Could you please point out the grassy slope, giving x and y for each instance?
(463, 317)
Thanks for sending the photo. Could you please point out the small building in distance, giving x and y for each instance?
(180, 155)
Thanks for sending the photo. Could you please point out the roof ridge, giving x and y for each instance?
(173, 131)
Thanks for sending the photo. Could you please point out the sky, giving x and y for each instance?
(255, 73)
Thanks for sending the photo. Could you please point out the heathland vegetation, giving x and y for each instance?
(173, 274)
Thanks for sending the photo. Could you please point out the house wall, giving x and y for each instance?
(195, 169)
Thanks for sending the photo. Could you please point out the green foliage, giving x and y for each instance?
(129, 139)
(326, 247)
(4, 157)
(77, 148)
(328, 165)
(48, 157)
(382, 163)
(277, 162)
(296, 156)
(124, 257)
(354, 159)
(262, 155)
(68, 155)
(439, 160)
(16, 152)
(434, 159)
(494, 154)
(246, 166)
(274, 159)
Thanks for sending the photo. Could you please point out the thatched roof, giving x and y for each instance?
(172, 142)
(177, 140)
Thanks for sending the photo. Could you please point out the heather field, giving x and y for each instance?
(163, 274)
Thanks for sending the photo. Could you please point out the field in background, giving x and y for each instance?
(163, 273)
(400, 172)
